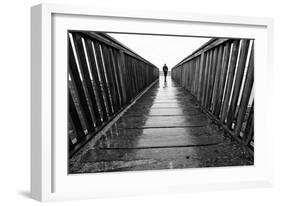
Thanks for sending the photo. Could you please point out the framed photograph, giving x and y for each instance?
(137, 102)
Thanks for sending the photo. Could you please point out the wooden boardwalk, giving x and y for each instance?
(164, 129)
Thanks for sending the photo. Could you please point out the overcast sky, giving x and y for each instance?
(160, 50)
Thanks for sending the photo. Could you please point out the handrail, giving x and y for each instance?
(220, 75)
(104, 77)
(110, 41)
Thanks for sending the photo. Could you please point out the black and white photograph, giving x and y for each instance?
(151, 102)
(140, 102)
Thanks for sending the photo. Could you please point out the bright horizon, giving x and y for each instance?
(160, 50)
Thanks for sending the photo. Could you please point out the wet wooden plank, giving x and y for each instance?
(163, 121)
(160, 137)
(101, 160)
(164, 111)
(165, 105)
(166, 100)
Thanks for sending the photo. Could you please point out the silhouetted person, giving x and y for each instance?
(165, 70)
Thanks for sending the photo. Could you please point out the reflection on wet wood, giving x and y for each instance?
(163, 121)
(160, 133)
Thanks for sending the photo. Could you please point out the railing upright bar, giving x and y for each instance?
(79, 90)
(231, 73)
(246, 94)
(237, 82)
(96, 81)
(222, 80)
(85, 72)
(217, 78)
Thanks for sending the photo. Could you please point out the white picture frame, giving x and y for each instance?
(49, 178)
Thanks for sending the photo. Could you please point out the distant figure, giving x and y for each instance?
(165, 70)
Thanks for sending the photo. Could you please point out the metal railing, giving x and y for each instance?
(220, 74)
(104, 76)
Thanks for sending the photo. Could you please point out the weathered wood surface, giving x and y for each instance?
(167, 135)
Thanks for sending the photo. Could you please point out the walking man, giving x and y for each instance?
(165, 70)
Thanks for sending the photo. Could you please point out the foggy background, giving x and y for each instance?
(160, 50)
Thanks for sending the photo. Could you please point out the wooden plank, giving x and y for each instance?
(212, 77)
(117, 74)
(198, 59)
(231, 72)
(155, 158)
(110, 78)
(134, 76)
(77, 83)
(208, 79)
(115, 77)
(204, 78)
(200, 76)
(157, 137)
(249, 131)
(130, 86)
(203, 63)
(165, 112)
(124, 75)
(120, 67)
(238, 81)
(222, 78)
(85, 71)
(164, 121)
(72, 135)
(98, 82)
(102, 73)
(217, 77)
(246, 94)
(73, 115)
(192, 76)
